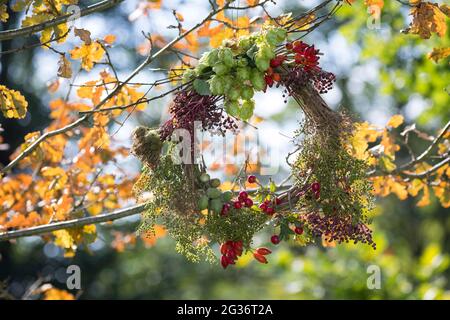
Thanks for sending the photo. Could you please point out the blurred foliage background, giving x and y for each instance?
(380, 72)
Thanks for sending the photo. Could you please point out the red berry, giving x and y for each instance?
(237, 205)
(231, 255)
(251, 179)
(298, 230)
(275, 62)
(278, 201)
(224, 248)
(263, 207)
(260, 258)
(248, 202)
(275, 239)
(225, 209)
(276, 77)
(243, 195)
(289, 46)
(224, 262)
(269, 80)
(270, 210)
(237, 245)
(315, 186)
(263, 251)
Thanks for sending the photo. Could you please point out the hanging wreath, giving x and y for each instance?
(330, 196)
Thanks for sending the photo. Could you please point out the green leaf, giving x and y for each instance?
(202, 87)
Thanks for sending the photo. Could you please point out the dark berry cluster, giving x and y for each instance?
(339, 228)
(297, 77)
(189, 107)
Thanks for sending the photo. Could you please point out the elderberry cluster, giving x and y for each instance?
(339, 228)
(189, 107)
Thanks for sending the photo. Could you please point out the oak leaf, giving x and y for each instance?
(12, 103)
(89, 54)
(428, 18)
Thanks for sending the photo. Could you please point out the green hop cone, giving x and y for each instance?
(215, 183)
(257, 79)
(221, 69)
(203, 203)
(247, 108)
(247, 92)
(261, 62)
(233, 94)
(266, 51)
(217, 85)
(271, 37)
(226, 57)
(243, 73)
(242, 62)
(204, 177)
(281, 34)
(245, 43)
(212, 58)
(232, 108)
(228, 82)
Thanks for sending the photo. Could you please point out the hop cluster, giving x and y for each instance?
(189, 107)
(339, 228)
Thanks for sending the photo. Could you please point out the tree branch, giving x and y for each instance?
(39, 230)
(27, 31)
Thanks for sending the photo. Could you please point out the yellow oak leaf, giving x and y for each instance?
(58, 294)
(395, 121)
(428, 18)
(415, 186)
(4, 12)
(12, 103)
(425, 200)
(89, 54)
(438, 54)
(442, 192)
(399, 189)
(389, 145)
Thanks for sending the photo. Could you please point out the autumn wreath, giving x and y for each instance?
(330, 196)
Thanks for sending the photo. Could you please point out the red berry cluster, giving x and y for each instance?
(260, 254)
(243, 201)
(269, 206)
(230, 251)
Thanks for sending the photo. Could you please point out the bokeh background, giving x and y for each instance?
(380, 72)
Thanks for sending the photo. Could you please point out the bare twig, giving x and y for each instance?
(27, 31)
